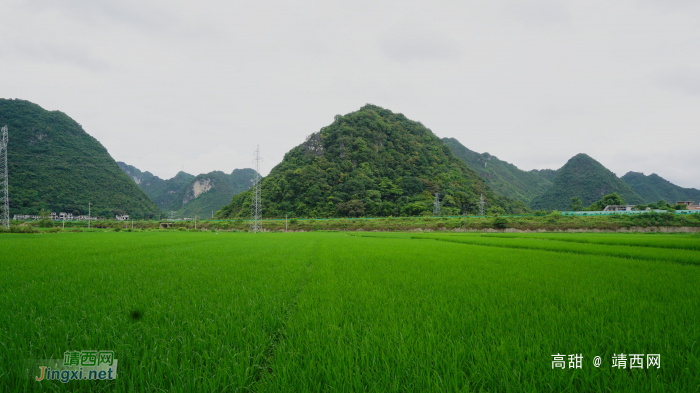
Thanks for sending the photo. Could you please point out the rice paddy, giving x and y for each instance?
(348, 312)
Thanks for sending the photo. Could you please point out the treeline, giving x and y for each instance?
(616, 199)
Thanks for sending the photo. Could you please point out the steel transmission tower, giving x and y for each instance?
(481, 205)
(4, 185)
(255, 208)
(436, 205)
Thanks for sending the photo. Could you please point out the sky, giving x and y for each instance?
(172, 85)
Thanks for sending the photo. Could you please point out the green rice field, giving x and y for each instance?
(353, 312)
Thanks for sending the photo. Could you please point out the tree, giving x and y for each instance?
(611, 199)
(353, 208)
(576, 204)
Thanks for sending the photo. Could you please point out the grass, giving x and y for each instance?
(636, 240)
(346, 312)
(570, 245)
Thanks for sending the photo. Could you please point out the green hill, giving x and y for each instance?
(653, 188)
(55, 165)
(188, 195)
(504, 178)
(370, 163)
(585, 178)
(161, 191)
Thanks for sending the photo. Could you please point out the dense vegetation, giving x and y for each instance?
(504, 178)
(55, 165)
(370, 163)
(654, 188)
(584, 178)
(371, 312)
(547, 174)
(554, 221)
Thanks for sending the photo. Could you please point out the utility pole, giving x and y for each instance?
(285, 223)
(89, 215)
(4, 184)
(212, 214)
(481, 205)
(195, 221)
(255, 208)
(64, 222)
(436, 205)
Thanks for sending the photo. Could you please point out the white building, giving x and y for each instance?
(124, 217)
(618, 208)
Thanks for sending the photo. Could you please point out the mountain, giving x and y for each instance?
(587, 179)
(209, 192)
(372, 162)
(55, 165)
(504, 178)
(163, 192)
(653, 188)
(547, 174)
(188, 195)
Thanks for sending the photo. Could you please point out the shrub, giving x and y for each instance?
(45, 223)
(54, 230)
(19, 229)
(500, 223)
(117, 229)
(293, 221)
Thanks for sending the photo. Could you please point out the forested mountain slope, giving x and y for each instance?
(504, 178)
(188, 195)
(653, 188)
(55, 165)
(584, 178)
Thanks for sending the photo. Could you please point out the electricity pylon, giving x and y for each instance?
(255, 208)
(481, 205)
(436, 205)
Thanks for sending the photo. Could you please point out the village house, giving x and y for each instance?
(618, 208)
(690, 205)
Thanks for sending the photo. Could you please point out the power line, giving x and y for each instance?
(255, 208)
(4, 185)
(56, 164)
(45, 155)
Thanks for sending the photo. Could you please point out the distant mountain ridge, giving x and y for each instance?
(189, 195)
(505, 178)
(584, 178)
(162, 192)
(653, 188)
(55, 165)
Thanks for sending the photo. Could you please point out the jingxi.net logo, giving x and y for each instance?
(77, 365)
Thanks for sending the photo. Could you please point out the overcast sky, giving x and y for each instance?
(167, 84)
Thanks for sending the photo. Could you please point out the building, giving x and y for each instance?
(618, 208)
(124, 217)
(25, 217)
(690, 205)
